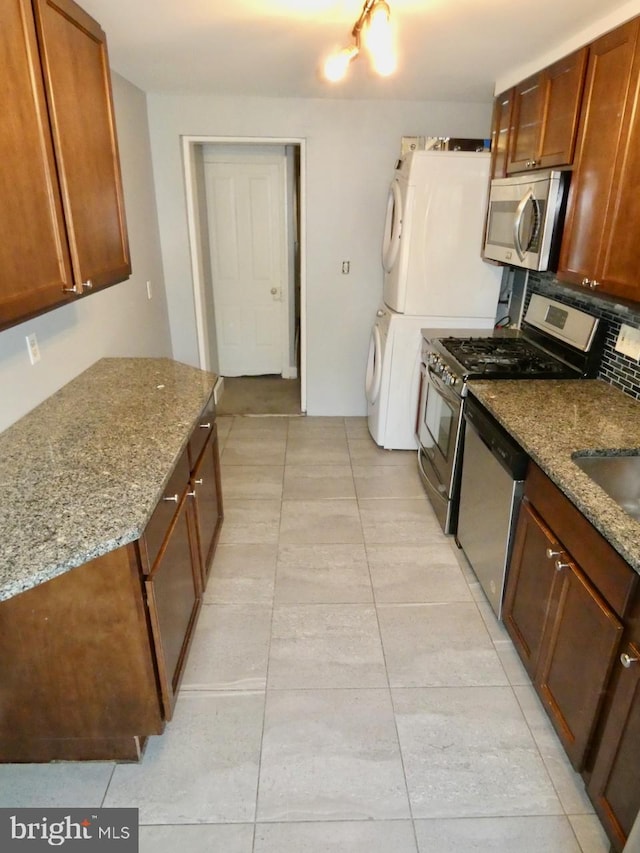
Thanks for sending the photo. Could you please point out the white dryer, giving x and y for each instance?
(433, 236)
(392, 382)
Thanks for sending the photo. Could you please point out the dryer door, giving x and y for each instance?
(392, 227)
(374, 366)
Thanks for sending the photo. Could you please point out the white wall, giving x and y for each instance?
(117, 321)
(351, 149)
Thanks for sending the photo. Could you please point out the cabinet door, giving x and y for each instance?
(564, 84)
(529, 584)
(207, 492)
(580, 646)
(500, 128)
(591, 195)
(78, 88)
(173, 598)
(545, 115)
(528, 114)
(614, 785)
(35, 266)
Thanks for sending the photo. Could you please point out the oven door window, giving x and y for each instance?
(439, 421)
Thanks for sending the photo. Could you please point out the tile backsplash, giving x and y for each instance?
(615, 368)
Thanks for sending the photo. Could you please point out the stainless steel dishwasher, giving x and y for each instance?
(493, 470)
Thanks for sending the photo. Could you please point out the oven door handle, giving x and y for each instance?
(441, 490)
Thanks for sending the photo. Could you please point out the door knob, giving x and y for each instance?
(626, 660)
(274, 290)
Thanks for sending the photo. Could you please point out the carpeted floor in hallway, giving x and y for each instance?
(260, 395)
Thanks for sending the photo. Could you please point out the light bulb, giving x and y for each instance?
(335, 68)
(379, 40)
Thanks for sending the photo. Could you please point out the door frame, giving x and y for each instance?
(189, 144)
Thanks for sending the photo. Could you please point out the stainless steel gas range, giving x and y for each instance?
(555, 342)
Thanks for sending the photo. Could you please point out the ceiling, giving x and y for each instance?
(448, 49)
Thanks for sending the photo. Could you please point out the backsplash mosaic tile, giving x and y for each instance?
(615, 368)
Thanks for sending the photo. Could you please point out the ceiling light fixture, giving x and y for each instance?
(373, 29)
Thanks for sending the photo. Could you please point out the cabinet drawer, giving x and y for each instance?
(605, 568)
(201, 432)
(158, 526)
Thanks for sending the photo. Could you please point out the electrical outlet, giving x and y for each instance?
(628, 342)
(32, 348)
(149, 290)
(346, 267)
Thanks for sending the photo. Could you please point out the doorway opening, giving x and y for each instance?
(245, 202)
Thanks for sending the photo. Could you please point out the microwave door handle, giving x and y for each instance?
(517, 224)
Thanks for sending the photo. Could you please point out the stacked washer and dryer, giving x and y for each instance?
(434, 277)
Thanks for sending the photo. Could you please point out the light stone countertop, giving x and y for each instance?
(81, 474)
(554, 419)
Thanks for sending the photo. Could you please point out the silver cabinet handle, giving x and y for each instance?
(593, 284)
(191, 494)
(206, 426)
(560, 565)
(88, 284)
(585, 282)
(626, 660)
(551, 553)
(73, 289)
(173, 498)
(198, 482)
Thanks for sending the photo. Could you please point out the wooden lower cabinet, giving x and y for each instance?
(614, 784)
(78, 678)
(91, 661)
(570, 604)
(582, 639)
(174, 597)
(528, 593)
(206, 490)
(564, 631)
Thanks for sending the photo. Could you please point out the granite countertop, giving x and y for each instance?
(81, 474)
(553, 419)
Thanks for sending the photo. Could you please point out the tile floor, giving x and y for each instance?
(348, 689)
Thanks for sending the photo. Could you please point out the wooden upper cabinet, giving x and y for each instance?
(35, 266)
(545, 115)
(500, 127)
(61, 207)
(78, 86)
(600, 247)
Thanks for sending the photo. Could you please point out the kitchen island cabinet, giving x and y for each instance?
(61, 191)
(98, 604)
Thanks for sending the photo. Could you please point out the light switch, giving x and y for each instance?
(346, 267)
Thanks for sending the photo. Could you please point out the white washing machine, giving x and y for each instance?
(392, 380)
(433, 236)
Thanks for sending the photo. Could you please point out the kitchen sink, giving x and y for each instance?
(619, 476)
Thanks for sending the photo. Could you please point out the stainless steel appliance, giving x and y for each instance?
(555, 342)
(490, 491)
(525, 218)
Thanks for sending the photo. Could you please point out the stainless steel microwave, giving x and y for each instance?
(525, 218)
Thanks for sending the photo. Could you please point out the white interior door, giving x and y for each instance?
(247, 238)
